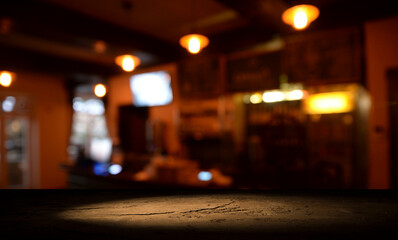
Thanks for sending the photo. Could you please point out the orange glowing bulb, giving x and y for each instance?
(5, 79)
(194, 42)
(194, 45)
(100, 90)
(127, 62)
(300, 20)
(300, 16)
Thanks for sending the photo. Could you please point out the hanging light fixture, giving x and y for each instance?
(127, 62)
(300, 16)
(99, 90)
(6, 78)
(194, 42)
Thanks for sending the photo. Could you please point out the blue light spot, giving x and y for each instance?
(100, 169)
(115, 169)
(205, 176)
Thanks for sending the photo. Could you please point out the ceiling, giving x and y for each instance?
(84, 36)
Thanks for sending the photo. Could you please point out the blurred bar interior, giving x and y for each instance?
(260, 105)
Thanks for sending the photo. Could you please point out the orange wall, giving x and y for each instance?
(51, 121)
(381, 49)
(119, 94)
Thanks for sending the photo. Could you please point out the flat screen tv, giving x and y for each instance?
(151, 89)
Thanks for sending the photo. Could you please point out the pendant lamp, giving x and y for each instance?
(300, 16)
(100, 90)
(194, 42)
(6, 78)
(127, 62)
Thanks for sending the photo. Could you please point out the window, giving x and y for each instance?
(90, 138)
(15, 162)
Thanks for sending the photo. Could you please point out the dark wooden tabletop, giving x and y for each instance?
(197, 214)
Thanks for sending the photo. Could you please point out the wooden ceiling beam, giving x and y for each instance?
(17, 59)
(53, 23)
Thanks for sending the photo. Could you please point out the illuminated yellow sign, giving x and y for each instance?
(331, 102)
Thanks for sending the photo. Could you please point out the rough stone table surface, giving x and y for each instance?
(115, 214)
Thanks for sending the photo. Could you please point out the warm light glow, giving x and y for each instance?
(256, 98)
(194, 42)
(300, 16)
(6, 78)
(100, 90)
(194, 45)
(127, 62)
(273, 96)
(294, 95)
(300, 20)
(332, 102)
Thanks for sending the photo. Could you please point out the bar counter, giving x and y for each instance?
(198, 214)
